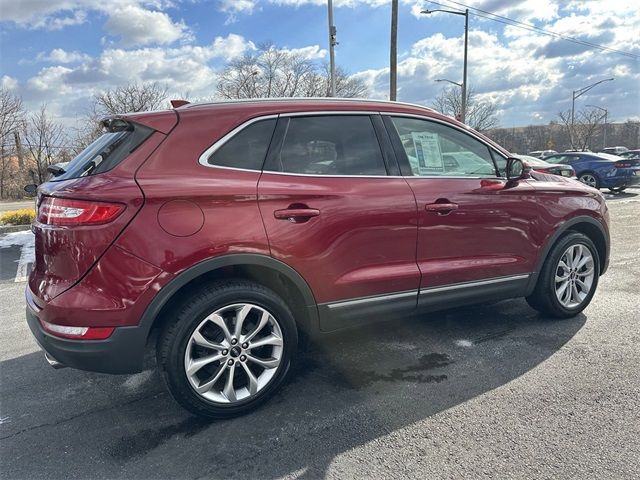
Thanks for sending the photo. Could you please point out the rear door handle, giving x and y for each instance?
(441, 208)
(296, 215)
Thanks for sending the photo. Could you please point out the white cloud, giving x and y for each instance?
(137, 26)
(8, 82)
(59, 55)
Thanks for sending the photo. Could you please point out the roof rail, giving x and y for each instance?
(302, 99)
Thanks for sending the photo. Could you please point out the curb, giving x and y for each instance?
(14, 228)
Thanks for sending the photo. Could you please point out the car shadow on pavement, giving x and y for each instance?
(345, 391)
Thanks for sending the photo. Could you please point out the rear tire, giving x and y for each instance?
(617, 189)
(214, 368)
(568, 279)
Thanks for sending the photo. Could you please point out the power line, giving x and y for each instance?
(532, 28)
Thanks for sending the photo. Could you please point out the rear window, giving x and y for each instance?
(119, 140)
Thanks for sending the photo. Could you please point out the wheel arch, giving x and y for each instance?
(586, 225)
(267, 271)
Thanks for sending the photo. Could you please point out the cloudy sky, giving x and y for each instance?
(62, 51)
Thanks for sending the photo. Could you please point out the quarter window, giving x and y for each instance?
(330, 145)
(247, 148)
(434, 149)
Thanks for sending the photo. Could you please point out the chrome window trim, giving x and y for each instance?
(318, 113)
(203, 159)
(423, 291)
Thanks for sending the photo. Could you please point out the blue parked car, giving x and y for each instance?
(601, 170)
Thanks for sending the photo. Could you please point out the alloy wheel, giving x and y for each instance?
(589, 179)
(234, 353)
(574, 275)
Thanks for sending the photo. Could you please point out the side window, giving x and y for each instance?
(331, 145)
(436, 149)
(247, 148)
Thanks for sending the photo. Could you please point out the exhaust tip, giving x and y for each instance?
(53, 362)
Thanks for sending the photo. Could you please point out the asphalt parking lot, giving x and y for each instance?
(491, 391)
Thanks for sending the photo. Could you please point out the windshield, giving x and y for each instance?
(105, 152)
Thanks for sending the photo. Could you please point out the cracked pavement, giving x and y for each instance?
(490, 391)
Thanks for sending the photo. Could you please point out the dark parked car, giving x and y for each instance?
(541, 166)
(229, 231)
(630, 154)
(601, 170)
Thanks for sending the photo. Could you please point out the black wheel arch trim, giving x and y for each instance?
(238, 259)
(564, 227)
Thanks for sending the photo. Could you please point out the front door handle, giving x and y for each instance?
(296, 215)
(441, 208)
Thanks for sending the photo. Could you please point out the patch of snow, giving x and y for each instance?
(464, 343)
(24, 239)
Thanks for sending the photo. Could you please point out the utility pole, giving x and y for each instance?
(463, 114)
(393, 60)
(332, 56)
(463, 103)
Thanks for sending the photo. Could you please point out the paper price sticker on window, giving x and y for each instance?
(427, 147)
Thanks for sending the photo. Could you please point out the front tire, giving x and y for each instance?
(227, 349)
(590, 179)
(568, 279)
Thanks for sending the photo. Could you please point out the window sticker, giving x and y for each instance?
(427, 147)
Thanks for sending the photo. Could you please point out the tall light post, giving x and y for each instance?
(450, 81)
(332, 55)
(581, 91)
(604, 128)
(393, 52)
(463, 108)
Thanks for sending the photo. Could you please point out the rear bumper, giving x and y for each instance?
(122, 352)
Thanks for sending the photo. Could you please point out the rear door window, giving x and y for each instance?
(119, 140)
(339, 145)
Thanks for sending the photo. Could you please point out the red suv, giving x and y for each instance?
(231, 229)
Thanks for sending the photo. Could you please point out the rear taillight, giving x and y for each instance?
(623, 164)
(77, 333)
(65, 211)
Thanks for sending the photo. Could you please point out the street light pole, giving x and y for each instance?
(581, 91)
(463, 103)
(463, 113)
(332, 57)
(604, 127)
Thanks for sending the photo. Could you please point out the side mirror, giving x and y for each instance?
(517, 169)
(31, 189)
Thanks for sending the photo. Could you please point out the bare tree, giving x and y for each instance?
(11, 122)
(480, 115)
(584, 127)
(270, 72)
(43, 141)
(133, 97)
